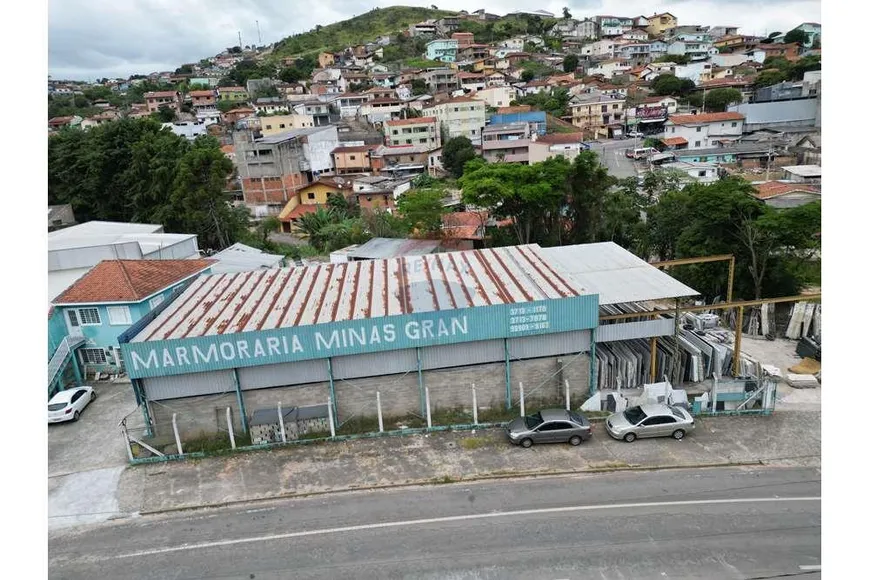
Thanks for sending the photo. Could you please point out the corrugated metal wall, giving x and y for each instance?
(295, 373)
(190, 385)
(549, 344)
(456, 355)
(630, 330)
(374, 364)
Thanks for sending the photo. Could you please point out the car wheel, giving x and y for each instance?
(575, 440)
(629, 437)
(76, 416)
(678, 434)
(93, 396)
(526, 442)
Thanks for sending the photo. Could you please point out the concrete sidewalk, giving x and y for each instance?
(792, 438)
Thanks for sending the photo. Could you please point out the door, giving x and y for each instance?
(562, 431)
(546, 433)
(72, 323)
(667, 426)
(649, 427)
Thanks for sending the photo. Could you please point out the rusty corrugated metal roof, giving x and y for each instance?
(268, 299)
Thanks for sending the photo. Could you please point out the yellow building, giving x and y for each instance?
(233, 94)
(307, 200)
(272, 124)
(602, 117)
(659, 23)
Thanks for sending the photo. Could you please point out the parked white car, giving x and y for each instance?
(68, 405)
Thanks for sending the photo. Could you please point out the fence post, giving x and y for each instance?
(474, 401)
(281, 423)
(428, 410)
(380, 414)
(522, 401)
(567, 396)
(715, 396)
(329, 410)
(126, 441)
(177, 438)
(230, 427)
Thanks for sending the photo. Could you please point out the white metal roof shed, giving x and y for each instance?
(615, 274)
(289, 297)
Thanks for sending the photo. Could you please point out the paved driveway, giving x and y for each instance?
(94, 441)
(86, 458)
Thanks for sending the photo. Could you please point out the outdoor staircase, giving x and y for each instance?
(59, 358)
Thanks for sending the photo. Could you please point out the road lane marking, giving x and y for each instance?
(446, 519)
(813, 568)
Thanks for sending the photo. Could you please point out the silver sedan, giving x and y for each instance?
(649, 421)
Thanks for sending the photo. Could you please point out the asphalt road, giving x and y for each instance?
(714, 523)
(611, 153)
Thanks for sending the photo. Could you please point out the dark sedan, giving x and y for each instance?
(549, 426)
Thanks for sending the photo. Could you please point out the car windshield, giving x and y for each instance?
(56, 406)
(533, 421)
(679, 413)
(634, 415)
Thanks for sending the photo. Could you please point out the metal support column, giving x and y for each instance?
(139, 392)
(730, 278)
(420, 385)
(593, 379)
(738, 334)
(241, 399)
(676, 317)
(507, 375)
(653, 351)
(334, 403)
(75, 365)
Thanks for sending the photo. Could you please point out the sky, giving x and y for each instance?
(90, 39)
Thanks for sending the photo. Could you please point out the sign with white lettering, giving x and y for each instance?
(208, 353)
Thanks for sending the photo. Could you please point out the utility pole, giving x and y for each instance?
(259, 38)
(240, 39)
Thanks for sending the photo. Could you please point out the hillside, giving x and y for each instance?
(358, 30)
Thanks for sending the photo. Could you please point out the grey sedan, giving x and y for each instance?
(650, 421)
(549, 426)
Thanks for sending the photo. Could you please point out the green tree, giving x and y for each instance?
(527, 75)
(266, 227)
(312, 225)
(797, 35)
(804, 65)
(570, 63)
(164, 114)
(419, 87)
(290, 75)
(674, 58)
(588, 184)
(422, 210)
(770, 77)
(266, 92)
(566, 14)
(770, 37)
(185, 69)
(716, 100)
(457, 151)
(132, 171)
(530, 196)
(670, 85)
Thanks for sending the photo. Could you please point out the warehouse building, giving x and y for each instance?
(344, 332)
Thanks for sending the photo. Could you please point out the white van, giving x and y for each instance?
(640, 152)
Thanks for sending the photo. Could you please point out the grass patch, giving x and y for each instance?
(470, 443)
(214, 443)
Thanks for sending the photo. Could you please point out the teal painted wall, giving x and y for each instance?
(189, 355)
(104, 334)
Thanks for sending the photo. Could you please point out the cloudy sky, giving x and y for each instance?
(88, 39)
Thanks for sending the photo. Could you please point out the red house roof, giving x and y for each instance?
(129, 280)
(775, 188)
(705, 118)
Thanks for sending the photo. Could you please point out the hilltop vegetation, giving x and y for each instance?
(357, 30)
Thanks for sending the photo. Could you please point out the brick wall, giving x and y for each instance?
(278, 190)
(451, 388)
(400, 395)
(195, 416)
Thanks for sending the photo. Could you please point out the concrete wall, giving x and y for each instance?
(542, 378)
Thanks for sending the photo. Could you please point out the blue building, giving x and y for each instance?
(443, 49)
(537, 120)
(86, 319)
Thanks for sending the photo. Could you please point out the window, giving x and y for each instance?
(268, 127)
(158, 300)
(395, 131)
(281, 125)
(353, 157)
(76, 396)
(734, 124)
(697, 129)
(407, 141)
(311, 195)
(89, 316)
(697, 143)
(119, 315)
(702, 173)
(673, 129)
(73, 319)
(93, 356)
